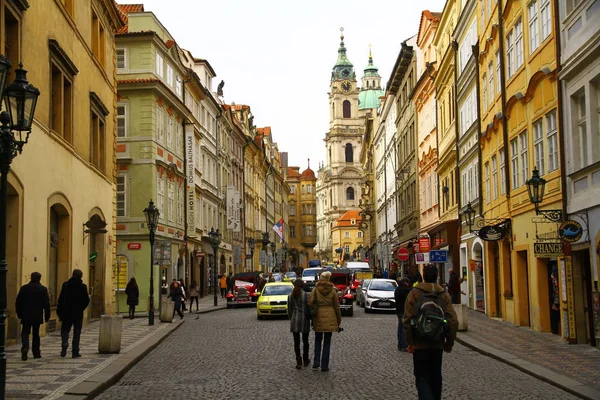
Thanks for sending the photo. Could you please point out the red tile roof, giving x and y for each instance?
(308, 174)
(293, 172)
(266, 131)
(125, 9)
(344, 220)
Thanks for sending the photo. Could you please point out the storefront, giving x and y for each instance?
(445, 236)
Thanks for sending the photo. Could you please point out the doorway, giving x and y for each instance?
(479, 275)
(582, 289)
(97, 270)
(523, 317)
(13, 254)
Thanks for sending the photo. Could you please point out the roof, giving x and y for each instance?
(293, 172)
(125, 9)
(345, 220)
(431, 16)
(308, 174)
(266, 131)
(369, 98)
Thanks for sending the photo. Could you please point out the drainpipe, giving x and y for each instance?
(559, 120)
(454, 45)
(475, 49)
(503, 102)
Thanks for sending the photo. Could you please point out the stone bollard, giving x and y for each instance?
(461, 314)
(167, 310)
(110, 334)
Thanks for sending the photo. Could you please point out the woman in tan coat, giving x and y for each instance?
(327, 320)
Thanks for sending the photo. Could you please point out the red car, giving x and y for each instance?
(342, 279)
(244, 290)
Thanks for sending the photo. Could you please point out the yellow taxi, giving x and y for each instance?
(273, 299)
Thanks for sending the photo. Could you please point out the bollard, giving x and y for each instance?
(110, 334)
(167, 310)
(461, 315)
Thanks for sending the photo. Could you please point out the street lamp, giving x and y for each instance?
(215, 237)
(273, 248)
(152, 214)
(284, 260)
(20, 99)
(251, 245)
(469, 214)
(536, 187)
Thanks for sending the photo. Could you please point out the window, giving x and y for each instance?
(309, 188)
(178, 86)
(349, 152)
(121, 55)
(524, 157)
(581, 139)
(498, 82)
(484, 96)
(350, 194)
(121, 195)
(347, 249)
(292, 210)
(514, 159)
(534, 36)
(180, 206)
(160, 196)
(121, 120)
(98, 39)
(487, 183)
(435, 188)
(170, 127)
(63, 72)
(346, 234)
(359, 234)
(169, 75)
(179, 139)
(510, 53)
(429, 205)
(292, 231)
(98, 113)
(572, 4)
(518, 44)
(171, 197)
(160, 65)
(502, 171)
(514, 48)
(491, 82)
(546, 19)
(552, 140)
(538, 146)
(160, 125)
(68, 4)
(347, 109)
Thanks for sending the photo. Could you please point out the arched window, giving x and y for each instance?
(349, 153)
(350, 194)
(347, 108)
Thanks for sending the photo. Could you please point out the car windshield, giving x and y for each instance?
(339, 279)
(310, 272)
(365, 283)
(290, 274)
(276, 290)
(383, 285)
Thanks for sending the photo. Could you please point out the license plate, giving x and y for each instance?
(384, 303)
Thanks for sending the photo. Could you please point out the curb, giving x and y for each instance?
(217, 308)
(565, 383)
(104, 379)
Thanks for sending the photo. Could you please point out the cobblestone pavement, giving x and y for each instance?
(579, 362)
(51, 376)
(229, 354)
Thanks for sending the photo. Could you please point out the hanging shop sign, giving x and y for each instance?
(548, 250)
(570, 231)
(424, 244)
(491, 233)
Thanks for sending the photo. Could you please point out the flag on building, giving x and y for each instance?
(278, 227)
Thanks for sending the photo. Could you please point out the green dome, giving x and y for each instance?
(369, 98)
(343, 68)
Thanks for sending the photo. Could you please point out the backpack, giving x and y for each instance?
(430, 321)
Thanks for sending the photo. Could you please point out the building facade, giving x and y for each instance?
(347, 236)
(302, 207)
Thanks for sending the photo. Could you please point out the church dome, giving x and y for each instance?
(308, 174)
(369, 98)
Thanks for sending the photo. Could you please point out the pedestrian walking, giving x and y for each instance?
(299, 322)
(177, 296)
(223, 285)
(133, 296)
(555, 306)
(327, 320)
(73, 299)
(230, 282)
(431, 323)
(33, 309)
(400, 295)
(184, 294)
(454, 287)
(194, 294)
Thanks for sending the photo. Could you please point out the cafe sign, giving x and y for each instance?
(548, 250)
(570, 231)
(491, 233)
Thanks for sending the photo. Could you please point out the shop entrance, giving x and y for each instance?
(522, 292)
(582, 290)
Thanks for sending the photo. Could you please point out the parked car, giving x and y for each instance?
(380, 295)
(290, 276)
(310, 277)
(273, 299)
(244, 290)
(360, 291)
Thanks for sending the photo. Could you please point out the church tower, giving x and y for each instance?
(339, 179)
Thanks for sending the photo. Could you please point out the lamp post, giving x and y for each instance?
(284, 260)
(273, 248)
(20, 99)
(536, 186)
(469, 214)
(215, 237)
(265, 245)
(251, 245)
(152, 214)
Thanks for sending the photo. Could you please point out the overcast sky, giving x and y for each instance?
(276, 55)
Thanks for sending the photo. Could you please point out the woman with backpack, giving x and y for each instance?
(327, 319)
(133, 295)
(299, 322)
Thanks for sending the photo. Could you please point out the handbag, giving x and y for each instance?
(313, 308)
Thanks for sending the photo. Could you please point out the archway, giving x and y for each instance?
(95, 227)
(14, 251)
(222, 265)
(479, 275)
(59, 243)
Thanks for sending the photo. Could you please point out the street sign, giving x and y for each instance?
(422, 258)
(438, 256)
(93, 256)
(548, 250)
(134, 246)
(403, 254)
(424, 244)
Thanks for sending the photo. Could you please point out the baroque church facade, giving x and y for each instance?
(340, 177)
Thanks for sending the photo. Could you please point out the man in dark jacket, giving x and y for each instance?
(400, 295)
(427, 354)
(33, 309)
(73, 299)
(454, 287)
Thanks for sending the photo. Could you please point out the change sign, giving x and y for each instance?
(548, 249)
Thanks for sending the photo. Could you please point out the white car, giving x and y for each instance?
(360, 291)
(380, 295)
(310, 276)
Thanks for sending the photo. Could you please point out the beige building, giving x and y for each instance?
(302, 223)
(61, 189)
(346, 237)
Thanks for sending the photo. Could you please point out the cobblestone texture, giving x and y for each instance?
(229, 354)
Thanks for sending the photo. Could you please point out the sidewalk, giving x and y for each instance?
(574, 368)
(53, 377)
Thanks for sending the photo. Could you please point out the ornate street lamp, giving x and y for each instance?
(152, 213)
(265, 240)
(536, 187)
(284, 261)
(20, 99)
(215, 237)
(469, 214)
(273, 248)
(251, 245)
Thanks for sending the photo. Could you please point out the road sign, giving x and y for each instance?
(438, 256)
(403, 254)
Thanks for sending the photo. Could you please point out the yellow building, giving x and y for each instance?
(302, 200)
(61, 189)
(346, 236)
(520, 133)
(444, 235)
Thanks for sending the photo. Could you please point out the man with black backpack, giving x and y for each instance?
(431, 323)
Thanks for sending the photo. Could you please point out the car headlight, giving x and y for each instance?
(343, 301)
(263, 303)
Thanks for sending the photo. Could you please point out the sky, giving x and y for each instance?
(277, 55)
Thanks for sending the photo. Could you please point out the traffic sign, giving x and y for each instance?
(403, 254)
(438, 256)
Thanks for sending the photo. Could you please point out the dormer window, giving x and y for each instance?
(352, 221)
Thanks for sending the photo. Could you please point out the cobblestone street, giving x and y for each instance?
(229, 354)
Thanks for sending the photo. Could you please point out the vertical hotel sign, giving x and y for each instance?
(190, 196)
(233, 209)
(567, 286)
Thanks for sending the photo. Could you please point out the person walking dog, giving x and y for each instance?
(327, 320)
(73, 299)
(299, 322)
(33, 309)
